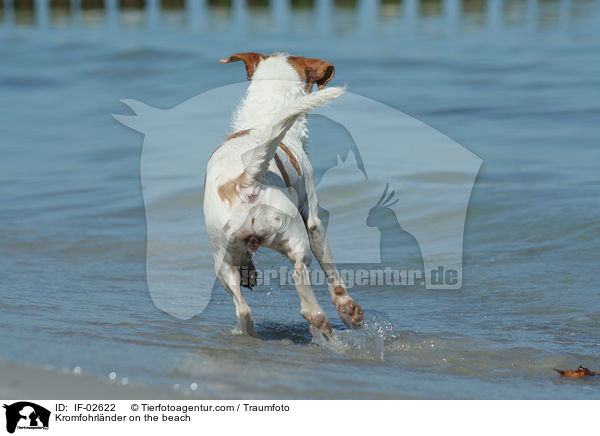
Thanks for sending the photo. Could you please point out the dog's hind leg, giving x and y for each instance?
(350, 312)
(297, 250)
(310, 308)
(230, 278)
(291, 241)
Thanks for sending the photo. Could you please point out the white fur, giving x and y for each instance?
(274, 86)
(265, 212)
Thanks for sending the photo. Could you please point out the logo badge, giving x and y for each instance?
(26, 415)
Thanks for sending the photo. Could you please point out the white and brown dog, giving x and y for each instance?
(260, 189)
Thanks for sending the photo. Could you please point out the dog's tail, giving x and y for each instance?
(257, 165)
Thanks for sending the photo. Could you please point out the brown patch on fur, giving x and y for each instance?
(237, 134)
(230, 190)
(313, 71)
(283, 172)
(339, 290)
(251, 60)
(291, 156)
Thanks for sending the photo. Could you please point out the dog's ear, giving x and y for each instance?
(321, 73)
(313, 70)
(250, 59)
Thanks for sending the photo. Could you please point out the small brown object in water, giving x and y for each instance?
(581, 372)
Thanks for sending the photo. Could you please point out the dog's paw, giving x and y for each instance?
(351, 313)
(240, 331)
(320, 322)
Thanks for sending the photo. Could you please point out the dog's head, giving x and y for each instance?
(307, 70)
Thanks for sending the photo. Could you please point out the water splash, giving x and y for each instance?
(368, 342)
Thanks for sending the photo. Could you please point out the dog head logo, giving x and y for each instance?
(425, 177)
(26, 415)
